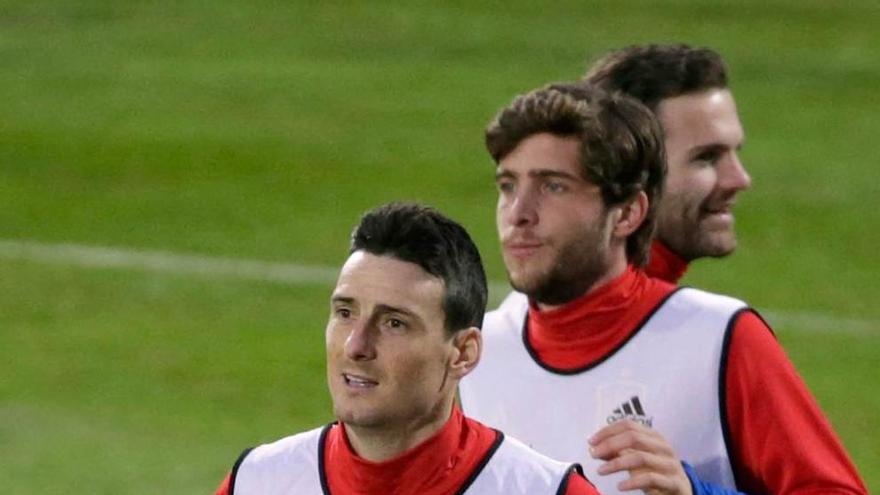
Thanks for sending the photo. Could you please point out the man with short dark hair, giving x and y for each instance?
(403, 330)
(603, 357)
(687, 89)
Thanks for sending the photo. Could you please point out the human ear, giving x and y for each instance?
(467, 347)
(630, 214)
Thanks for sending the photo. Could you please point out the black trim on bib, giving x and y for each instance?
(755, 312)
(575, 371)
(722, 388)
(322, 473)
(234, 473)
(479, 469)
(574, 468)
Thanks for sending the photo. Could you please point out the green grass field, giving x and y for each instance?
(261, 130)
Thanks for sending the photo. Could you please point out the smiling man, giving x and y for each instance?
(403, 330)
(687, 89)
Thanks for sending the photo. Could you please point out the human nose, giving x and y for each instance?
(521, 208)
(359, 345)
(734, 176)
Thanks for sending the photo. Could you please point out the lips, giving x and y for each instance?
(718, 203)
(719, 216)
(718, 206)
(717, 211)
(358, 381)
(521, 249)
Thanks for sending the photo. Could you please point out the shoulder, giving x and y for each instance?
(694, 313)
(516, 468)
(299, 448)
(290, 461)
(704, 301)
(753, 345)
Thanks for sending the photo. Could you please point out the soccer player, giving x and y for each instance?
(687, 89)
(403, 330)
(607, 366)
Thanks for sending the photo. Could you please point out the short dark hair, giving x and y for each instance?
(621, 144)
(652, 73)
(422, 235)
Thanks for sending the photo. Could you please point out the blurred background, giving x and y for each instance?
(178, 180)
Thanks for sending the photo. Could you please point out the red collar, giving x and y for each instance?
(439, 465)
(664, 264)
(586, 330)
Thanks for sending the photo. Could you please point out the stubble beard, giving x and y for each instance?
(577, 266)
(686, 236)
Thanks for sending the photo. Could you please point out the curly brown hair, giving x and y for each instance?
(621, 144)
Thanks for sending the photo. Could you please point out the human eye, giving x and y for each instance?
(555, 186)
(341, 312)
(504, 185)
(708, 157)
(395, 324)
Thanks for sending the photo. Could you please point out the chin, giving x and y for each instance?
(717, 246)
(524, 287)
(363, 419)
(525, 281)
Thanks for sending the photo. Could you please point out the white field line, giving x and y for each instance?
(298, 274)
(165, 261)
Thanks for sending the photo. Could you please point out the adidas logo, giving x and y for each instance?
(632, 410)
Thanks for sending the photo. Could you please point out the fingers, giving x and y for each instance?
(644, 453)
(617, 428)
(650, 473)
(633, 460)
(610, 441)
(651, 483)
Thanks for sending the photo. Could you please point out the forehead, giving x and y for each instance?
(544, 152)
(702, 118)
(371, 279)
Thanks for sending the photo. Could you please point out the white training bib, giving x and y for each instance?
(292, 466)
(288, 466)
(666, 376)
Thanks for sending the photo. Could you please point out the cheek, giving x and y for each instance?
(415, 366)
(678, 179)
(422, 372)
(571, 220)
(694, 178)
(334, 340)
(501, 210)
(677, 205)
(691, 188)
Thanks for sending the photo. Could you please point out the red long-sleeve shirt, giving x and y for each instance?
(437, 466)
(781, 441)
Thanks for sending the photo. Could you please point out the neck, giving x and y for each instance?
(615, 269)
(665, 264)
(380, 443)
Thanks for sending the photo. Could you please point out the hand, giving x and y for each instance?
(645, 454)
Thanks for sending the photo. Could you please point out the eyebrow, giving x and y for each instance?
(554, 174)
(380, 308)
(716, 147)
(540, 173)
(342, 299)
(387, 308)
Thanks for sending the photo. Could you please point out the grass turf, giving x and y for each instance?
(263, 129)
